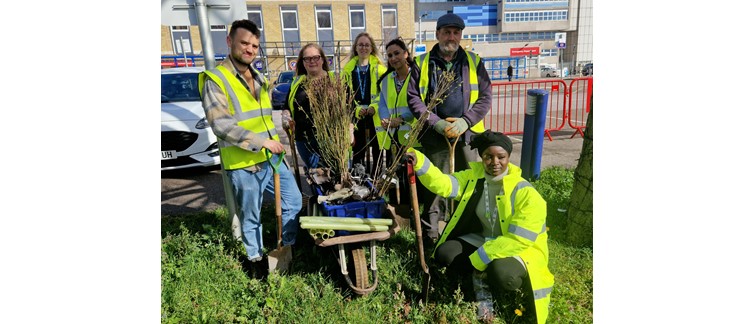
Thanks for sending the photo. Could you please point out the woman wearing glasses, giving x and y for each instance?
(311, 64)
(361, 73)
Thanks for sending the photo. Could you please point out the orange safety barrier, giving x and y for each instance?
(510, 103)
(580, 90)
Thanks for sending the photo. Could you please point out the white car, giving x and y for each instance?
(547, 72)
(187, 139)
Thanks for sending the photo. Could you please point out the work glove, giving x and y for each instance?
(440, 127)
(457, 127)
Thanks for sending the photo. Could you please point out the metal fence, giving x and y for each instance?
(567, 105)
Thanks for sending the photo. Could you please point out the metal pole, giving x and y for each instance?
(183, 50)
(204, 32)
(420, 29)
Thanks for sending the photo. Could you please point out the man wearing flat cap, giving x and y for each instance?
(496, 239)
(459, 115)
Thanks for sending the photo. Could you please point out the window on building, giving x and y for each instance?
(547, 15)
(390, 22)
(181, 40)
(356, 20)
(290, 27)
(549, 52)
(254, 13)
(324, 21)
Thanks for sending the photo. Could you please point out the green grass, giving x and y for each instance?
(203, 281)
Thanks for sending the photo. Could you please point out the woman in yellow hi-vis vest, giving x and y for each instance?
(396, 120)
(361, 73)
(311, 64)
(497, 233)
(395, 116)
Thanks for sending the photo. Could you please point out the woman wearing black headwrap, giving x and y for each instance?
(497, 233)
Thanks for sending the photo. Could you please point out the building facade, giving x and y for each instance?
(518, 28)
(287, 26)
(521, 31)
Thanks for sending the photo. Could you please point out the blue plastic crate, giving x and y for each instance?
(358, 209)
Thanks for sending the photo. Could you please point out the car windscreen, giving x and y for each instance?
(180, 87)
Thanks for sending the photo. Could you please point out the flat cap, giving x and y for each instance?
(450, 20)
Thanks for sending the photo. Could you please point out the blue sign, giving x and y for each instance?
(420, 48)
(561, 45)
(292, 64)
(258, 65)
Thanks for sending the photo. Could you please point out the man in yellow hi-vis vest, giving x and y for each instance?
(238, 108)
(468, 102)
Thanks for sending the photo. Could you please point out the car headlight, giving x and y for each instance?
(202, 123)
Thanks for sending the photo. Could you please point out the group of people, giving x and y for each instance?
(495, 235)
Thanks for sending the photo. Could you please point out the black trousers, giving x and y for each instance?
(503, 274)
(366, 139)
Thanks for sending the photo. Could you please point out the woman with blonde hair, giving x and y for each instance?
(361, 73)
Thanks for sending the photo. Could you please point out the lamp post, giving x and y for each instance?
(420, 27)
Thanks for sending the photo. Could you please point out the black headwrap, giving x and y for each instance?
(490, 138)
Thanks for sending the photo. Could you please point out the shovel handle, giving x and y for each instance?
(451, 165)
(278, 212)
(277, 183)
(415, 207)
(292, 143)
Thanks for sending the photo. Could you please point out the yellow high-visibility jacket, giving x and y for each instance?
(394, 105)
(521, 217)
(255, 116)
(424, 81)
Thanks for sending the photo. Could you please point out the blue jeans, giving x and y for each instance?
(248, 189)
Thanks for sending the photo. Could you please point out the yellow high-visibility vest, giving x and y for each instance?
(254, 116)
(424, 80)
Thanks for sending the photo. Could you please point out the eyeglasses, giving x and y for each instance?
(308, 59)
(364, 45)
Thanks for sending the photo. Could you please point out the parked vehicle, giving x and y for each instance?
(280, 89)
(587, 69)
(187, 140)
(547, 72)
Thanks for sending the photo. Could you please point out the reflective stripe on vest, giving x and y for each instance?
(397, 105)
(424, 80)
(252, 115)
(520, 231)
(542, 293)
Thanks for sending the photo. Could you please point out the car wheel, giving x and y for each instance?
(547, 75)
